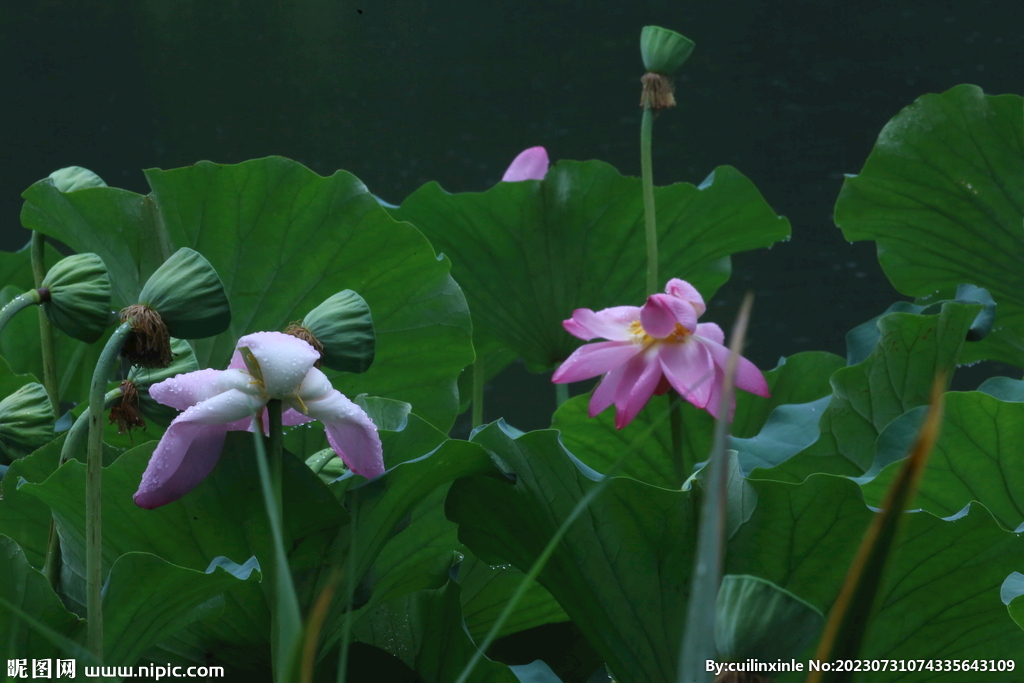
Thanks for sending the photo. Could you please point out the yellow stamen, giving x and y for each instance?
(305, 410)
(640, 336)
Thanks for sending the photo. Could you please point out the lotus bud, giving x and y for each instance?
(185, 298)
(341, 330)
(75, 178)
(76, 296)
(663, 51)
(26, 421)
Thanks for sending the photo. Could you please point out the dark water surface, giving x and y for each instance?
(399, 93)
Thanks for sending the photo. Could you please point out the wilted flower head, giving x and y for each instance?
(217, 401)
(651, 349)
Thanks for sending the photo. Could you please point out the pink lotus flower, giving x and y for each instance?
(530, 164)
(652, 349)
(217, 401)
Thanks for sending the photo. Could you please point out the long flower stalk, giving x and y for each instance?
(478, 392)
(94, 489)
(647, 178)
(29, 298)
(45, 329)
(286, 615)
(72, 444)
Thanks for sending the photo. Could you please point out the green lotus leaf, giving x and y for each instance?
(976, 458)
(27, 590)
(758, 620)
(268, 224)
(146, 600)
(75, 178)
(189, 296)
(622, 571)
(425, 631)
(344, 326)
(485, 592)
(79, 296)
(528, 253)
(596, 442)
(223, 516)
(26, 421)
(897, 376)
(942, 194)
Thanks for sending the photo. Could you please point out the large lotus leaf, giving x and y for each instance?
(380, 506)
(23, 517)
(485, 592)
(941, 591)
(942, 193)
(528, 253)
(798, 379)
(896, 377)
(425, 630)
(979, 457)
(223, 516)
(283, 239)
(28, 591)
(147, 599)
(10, 381)
(76, 360)
(622, 570)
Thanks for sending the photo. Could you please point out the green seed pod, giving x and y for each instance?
(75, 178)
(76, 296)
(341, 329)
(188, 295)
(26, 421)
(664, 51)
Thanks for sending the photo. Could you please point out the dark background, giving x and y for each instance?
(401, 92)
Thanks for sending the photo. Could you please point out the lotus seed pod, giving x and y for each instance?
(76, 296)
(189, 296)
(75, 178)
(664, 51)
(26, 421)
(342, 331)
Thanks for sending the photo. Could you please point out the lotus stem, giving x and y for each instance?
(478, 392)
(561, 394)
(350, 590)
(45, 329)
(647, 176)
(72, 444)
(109, 359)
(675, 423)
(29, 298)
(285, 615)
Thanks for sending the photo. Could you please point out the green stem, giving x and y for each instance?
(561, 394)
(29, 298)
(647, 175)
(350, 588)
(45, 329)
(72, 445)
(675, 422)
(549, 549)
(285, 613)
(478, 392)
(109, 359)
